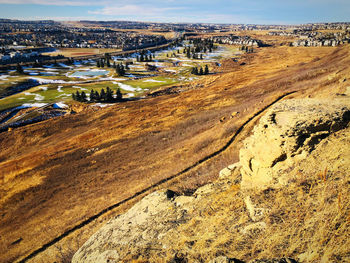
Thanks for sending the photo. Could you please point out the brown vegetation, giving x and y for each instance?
(59, 172)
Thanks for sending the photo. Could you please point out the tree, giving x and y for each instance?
(97, 96)
(195, 71)
(83, 96)
(73, 96)
(206, 70)
(92, 95)
(108, 63)
(122, 69)
(77, 96)
(109, 94)
(103, 95)
(98, 63)
(188, 53)
(19, 69)
(119, 95)
(201, 71)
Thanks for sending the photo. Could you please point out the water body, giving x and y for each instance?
(92, 73)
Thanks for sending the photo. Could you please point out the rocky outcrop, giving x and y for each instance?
(287, 132)
(141, 226)
(247, 208)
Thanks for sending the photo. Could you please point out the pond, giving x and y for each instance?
(89, 73)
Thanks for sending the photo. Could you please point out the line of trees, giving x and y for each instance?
(145, 58)
(120, 69)
(199, 46)
(200, 71)
(95, 96)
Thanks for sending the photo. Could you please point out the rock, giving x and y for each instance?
(281, 260)
(289, 131)
(225, 172)
(228, 171)
(254, 228)
(224, 259)
(141, 226)
(256, 214)
(233, 114)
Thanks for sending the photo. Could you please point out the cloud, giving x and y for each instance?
(46, 2)
(132, 10)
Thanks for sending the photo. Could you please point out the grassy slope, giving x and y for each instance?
(60, 171)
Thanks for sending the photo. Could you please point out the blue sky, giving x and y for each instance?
(219, 11)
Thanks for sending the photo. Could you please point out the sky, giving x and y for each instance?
(192, 11)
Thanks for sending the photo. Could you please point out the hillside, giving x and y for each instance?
(57, 174)
(263, 207)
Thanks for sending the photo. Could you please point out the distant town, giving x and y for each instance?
(25, 41)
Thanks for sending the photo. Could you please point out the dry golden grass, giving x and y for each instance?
(139, 143)
(307, 220)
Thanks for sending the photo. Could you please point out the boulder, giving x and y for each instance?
(289, 131)
(145, 223)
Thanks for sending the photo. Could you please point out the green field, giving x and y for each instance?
(171, 71)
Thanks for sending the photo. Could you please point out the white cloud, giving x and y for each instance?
(46, 2)
(134, 10)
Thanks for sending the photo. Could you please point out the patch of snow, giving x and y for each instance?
(126, 87)
(52, 81)
(29, 105)
(170, 70)
(4, 77)
(59, 88)
(51, 69)
(64, 65)
(130, 94)
(43, 88)
(101, 105)
(59, 105)
(153, 80)
(76, 87)
(111, 78)
(38, 97)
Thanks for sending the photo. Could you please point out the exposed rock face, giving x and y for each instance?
(296, 136)
(287, 133)
(141, 226)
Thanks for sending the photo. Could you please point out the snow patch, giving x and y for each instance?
(29, 105)
(63, 65)
(38, 97)
(126, 87)
(59, 105)
(153, 80)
